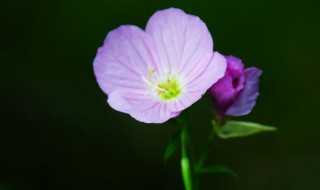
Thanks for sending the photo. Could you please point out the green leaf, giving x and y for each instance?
(234, 129)
(216, 169)
(173, 145)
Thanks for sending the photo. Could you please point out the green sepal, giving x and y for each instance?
(216, 169)
(233, 129)
(172, 146)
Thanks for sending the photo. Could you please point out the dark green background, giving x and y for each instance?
(57, 131)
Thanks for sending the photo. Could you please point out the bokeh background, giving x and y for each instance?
(58, 133)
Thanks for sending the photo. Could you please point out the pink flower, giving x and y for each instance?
(155, 74)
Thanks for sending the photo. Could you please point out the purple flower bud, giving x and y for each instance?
(235, 94)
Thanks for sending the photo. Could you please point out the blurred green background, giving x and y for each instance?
(58, 133)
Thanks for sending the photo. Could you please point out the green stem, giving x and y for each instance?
(186, 167)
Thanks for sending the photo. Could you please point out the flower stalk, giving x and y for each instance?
(185, 162)
(187, 169)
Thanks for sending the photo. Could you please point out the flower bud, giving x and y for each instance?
(235, 94)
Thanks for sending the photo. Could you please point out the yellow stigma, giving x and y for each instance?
(171, 89)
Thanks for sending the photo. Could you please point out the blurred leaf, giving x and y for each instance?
(173, 145)
(234, 129)
(206, 149)
(216, 169)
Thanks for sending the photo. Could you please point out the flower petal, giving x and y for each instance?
(202, 82)
(160, 113)
(235, 67)
(182, 41)
(246, 100)
(140, 106)
(211, 74)
(123, 59)
(222, 94)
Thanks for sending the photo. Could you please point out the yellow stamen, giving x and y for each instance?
(169, 72)
(154, 86)
(151, 72)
